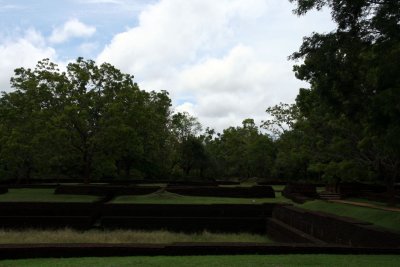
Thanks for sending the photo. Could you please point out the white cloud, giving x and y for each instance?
(175, 33)
(73, 28)
(222, 61)
(187, 106)
(88, 48)
(24, 51)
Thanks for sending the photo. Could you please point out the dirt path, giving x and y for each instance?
(367, 205)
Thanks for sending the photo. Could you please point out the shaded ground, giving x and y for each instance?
(239, 260)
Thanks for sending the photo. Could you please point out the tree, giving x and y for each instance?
(354, 76)
(242, 151)
(188, 148)
(282, 119)
(90, 121)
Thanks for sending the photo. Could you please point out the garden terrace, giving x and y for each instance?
(267, 217)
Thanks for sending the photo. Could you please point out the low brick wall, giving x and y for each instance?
(189, 210)
(240, 192)
(281, 232)
(308, 190)
(300, 193)
(215, 217)
(336, 229)
(3, 190)
(46, 222)
(47, 215)
(47, 209)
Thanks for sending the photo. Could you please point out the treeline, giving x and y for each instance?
(93, 122)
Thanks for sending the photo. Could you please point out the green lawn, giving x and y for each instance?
(376, 203)
(42, 195)
(171, 198)
(211, 261)
(278, 187)
(386, 219)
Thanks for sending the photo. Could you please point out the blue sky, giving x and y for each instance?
(222, 61)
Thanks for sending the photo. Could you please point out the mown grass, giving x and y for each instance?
(121, 236)
(42, 195)
(171, 198)
(231, 261)
(386, 219)
(376, 203)
(278, 187)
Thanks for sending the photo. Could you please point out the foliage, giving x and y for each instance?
(93, 122)
(90, 121)
(351, 109)
(242, 151)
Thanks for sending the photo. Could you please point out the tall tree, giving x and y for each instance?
(91, 121)
(355, 77)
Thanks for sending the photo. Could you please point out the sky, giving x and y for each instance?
(221, 60)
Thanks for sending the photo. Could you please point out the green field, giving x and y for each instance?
(42, 195)
(386, 219)
(211, 261)
(121, 236)
(171, 198)
(376, 203)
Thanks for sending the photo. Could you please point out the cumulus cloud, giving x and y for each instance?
(73, 28)
(88, 48)
(176, 32)
(222, 61)
(23, 51)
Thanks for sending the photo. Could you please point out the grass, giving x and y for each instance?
(278, 187)
(238, 260)
(42, 195)
(376, 203)
(386, 219)
(171, 198)
(121, 236)
(320, 189)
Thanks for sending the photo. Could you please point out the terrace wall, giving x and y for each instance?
(189, 218)
(218, 217)
(3, 190)
(47, 215)
(336, 229)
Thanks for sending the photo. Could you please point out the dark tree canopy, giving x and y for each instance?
(351, 107)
